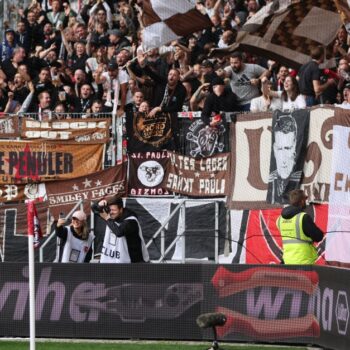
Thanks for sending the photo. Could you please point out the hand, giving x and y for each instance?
(104, 215)
(120, 112)
(254, 82)
(154, 111)
(141, 59)
(10, 95)
(61, 222)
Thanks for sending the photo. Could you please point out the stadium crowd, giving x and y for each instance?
(62, 59)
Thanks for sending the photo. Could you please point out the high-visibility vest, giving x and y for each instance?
(297, 247)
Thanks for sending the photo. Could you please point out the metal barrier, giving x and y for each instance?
(181, 237)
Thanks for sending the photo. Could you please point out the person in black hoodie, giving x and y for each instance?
(298, 231)
(222, 99)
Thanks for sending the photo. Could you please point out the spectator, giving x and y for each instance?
(8, 45)
(244, 80)
(290, 98)
(222, 99)
(76, 239)
(170, 94)
(309, 78)
(123, 228)
(10, 65)
(265, 102)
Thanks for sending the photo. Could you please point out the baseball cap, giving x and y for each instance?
(217, 81)
(116, 32)
(112, 65)
(80, 215)
(9, 30)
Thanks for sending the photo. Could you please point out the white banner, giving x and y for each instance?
(338, 237)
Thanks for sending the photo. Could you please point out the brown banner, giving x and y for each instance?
(9, 127)
(63, 195)
(80, 131)
(198, 177)
(146, 173)
(17, 193)
(25, 162)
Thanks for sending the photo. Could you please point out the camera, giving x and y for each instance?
(97, 209)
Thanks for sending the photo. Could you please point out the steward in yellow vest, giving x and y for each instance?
(298, 231)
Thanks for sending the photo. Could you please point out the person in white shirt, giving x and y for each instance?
(265, 102)
(76, 239)
(290, 97)
(346, 95)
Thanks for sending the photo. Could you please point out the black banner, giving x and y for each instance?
(201, 141)
(289, 140)
(307, 305)
(147, 134)
(146, 173)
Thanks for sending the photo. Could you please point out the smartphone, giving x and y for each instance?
(62, 216)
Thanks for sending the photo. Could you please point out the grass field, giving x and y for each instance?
(40, 345)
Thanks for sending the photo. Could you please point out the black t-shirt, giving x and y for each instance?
(307, 73)
(227, 102)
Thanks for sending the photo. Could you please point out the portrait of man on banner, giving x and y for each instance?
(289, 141)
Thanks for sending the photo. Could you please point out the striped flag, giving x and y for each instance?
(34, 228)
(287, 30)
(165, 21)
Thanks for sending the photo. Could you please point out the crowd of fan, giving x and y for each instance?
(66, 61)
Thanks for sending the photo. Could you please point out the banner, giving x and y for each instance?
(14, 230)
(262, 239)
(16, 193)
(202, 141)
(79, 131)
(287, 30)
(146, 173)
(23, 162)
(250, 157)
(163, 23)
(278, 304)
(9, 127)
(338, 239)
(147, 134)
(63, 195)
(205, 177)
(289, 139)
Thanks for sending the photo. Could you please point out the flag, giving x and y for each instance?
(34, 228)
(287, 30)
(343, 7)
(165, 21)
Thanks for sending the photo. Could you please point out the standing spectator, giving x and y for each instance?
(10, 65)
(309, 78)
(56, 16)
(265, 102)
(8, 45)
(76, 239)
(298, 231)
(244, 80)
(222, 99)
(123, 240)
(170, 94)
